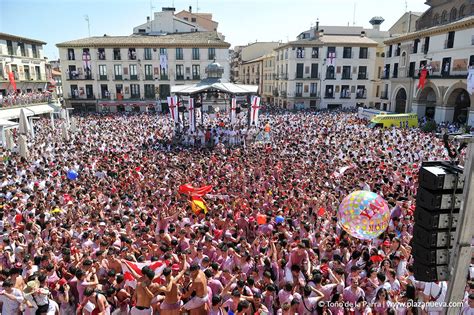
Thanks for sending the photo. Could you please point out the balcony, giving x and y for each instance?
(196, 77)
(150, 96)
(361, 95)
(75, 76)
(283, 94)
(298, 94)
(345, 77)
(102, 77)
(362, 77)
(313, 94)
(135, 96)
(179, 77)
(118, 77)
(331, 96)
(275, 93)
(149, 77)
(330, 77)
(345, 95)
(133, 77)
(164, 77)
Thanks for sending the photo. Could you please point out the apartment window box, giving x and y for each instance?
(133, 77)
(179, 77)
(103, 77)
(118, 78)
(196, 77)
(148, 77)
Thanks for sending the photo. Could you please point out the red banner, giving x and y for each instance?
(11, 77)
(422, 81)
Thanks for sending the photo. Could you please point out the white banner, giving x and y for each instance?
(255, 106)
(192, 120)
(233, 108)
(331, 59)
(470, 81)
(163, 64)
(173, 106)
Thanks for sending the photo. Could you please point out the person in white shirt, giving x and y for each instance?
(11, 298)
(435, 292)
(469, 308)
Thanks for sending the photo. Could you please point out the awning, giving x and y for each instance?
(224, 87)
(14, 113)
(6, 123)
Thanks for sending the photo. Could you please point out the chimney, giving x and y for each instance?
(190, 9)
(147, 19)
(317, 24)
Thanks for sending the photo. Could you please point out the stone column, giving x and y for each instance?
(419, 109)
(444, 113)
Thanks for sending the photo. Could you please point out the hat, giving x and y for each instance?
(62, 281)
(175, 267)
(387, 243)
(102, 224)
(31, 287)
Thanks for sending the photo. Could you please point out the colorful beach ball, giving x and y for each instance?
(364, 214)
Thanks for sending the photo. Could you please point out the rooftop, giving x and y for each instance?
(183, 39)
(16, 38)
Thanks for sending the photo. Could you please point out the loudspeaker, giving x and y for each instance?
(430, 273)
(435, 219)
(440, 176)
(430, 256)
(437, 200)
(432, 238)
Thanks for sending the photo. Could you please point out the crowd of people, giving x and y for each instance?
(24, 98)
(120, 239)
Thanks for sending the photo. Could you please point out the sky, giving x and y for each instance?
(240, 21)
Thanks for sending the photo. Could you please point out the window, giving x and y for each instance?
(313, 89)
(404, 59)
(461, 11)
(331, 52)
(102, 72)
(315, 52)
(211, 53)
(163, 51)
(426, 46)
(133, 72)
(347, 53)
(450, 40)
(300, 52)
(26, 69)
(132, 54)
(196, 54)
(386, 74)
(453, 14)
(415, 45)
(361, 91)
(329, 92)
(389, 53)
(179, 72)
(35, 51)
(363, 53)
(397, 51)
(148, 54)
(149, 91)
(411, 70)
(196, 72)
(10, 48)
(22, 49)
(134, 90)
(179, 53)
(446, 67)
(436, 19)
(395, 70)
(299, 70)
(193, 20)
(117, 54)
(346, 72)
(118, 72)
(444, 17)
(299, 90)
(148, 72)
(345, 91)
(362, 75)
(330, 72)
(101, 53)
(314, 71)
(471, 61)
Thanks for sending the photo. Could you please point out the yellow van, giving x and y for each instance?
(394, 120)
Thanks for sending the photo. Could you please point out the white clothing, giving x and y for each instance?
(135, 311)
(196, 302)
(11, 307)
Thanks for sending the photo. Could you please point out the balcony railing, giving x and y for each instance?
(196, 77)
(298, 94)
(103, 77)
(133, 77)
(180, 77)
(80, 77)
(329, 96)
(345, 95)
(346, 77)
(283, 93)
(361, 95)
(148, 77)
(164, 77)
(313, 94)
(362, 77)
(118, 77)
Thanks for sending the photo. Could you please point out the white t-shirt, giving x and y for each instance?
(10, 307)
(438, 291)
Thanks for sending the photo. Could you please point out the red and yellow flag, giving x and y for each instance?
(198, 205)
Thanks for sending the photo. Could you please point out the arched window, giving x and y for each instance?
(461, 11)
(436, 19)
(404, 59)
(453, 15)
(444, 17)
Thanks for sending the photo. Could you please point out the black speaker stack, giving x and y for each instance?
(438, 202)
